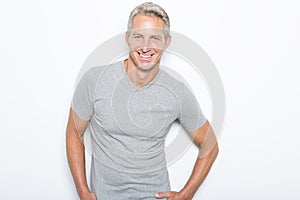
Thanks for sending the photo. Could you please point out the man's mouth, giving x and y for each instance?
(145, 56)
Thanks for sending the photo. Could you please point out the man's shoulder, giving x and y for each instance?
(97, 71)
(172, 80)
(101, 68)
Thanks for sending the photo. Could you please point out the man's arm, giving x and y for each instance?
(205, 139)
(76, 154)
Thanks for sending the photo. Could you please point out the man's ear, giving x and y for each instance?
(127, 37)
(168, 41)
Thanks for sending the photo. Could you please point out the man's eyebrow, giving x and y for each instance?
(150, 35)
(157, 36)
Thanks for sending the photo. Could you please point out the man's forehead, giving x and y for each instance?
(147, 21)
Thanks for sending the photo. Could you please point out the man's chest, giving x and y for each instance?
(147, 112)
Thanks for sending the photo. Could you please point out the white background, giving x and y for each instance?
(255, 46)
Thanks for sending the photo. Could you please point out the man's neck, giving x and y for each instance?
(138, 76)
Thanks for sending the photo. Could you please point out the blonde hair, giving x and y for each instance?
(150, 9)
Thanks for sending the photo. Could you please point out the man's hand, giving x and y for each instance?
(88, 196)
(171, 195)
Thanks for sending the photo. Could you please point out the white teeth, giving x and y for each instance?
(143, 56)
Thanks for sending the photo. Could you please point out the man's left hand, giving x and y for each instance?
(171, 195)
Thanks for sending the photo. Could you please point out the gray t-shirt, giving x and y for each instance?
(128, 128)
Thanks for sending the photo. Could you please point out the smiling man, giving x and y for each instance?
(147, 39)
(129, 107)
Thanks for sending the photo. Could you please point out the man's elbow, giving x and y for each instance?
(209, 152)
(216, 150)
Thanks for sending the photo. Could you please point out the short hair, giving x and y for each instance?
(150, 9)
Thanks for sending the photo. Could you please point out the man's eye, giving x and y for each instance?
(137, 36)
(156, 38)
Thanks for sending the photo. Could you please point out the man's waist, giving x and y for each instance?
(119, 159)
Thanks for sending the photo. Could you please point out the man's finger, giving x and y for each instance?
(163, 195)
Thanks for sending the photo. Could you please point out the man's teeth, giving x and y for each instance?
(144, 56)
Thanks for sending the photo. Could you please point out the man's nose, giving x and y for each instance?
(146, 46)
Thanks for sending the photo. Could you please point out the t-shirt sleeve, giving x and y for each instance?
(191, 116)
(84, 95)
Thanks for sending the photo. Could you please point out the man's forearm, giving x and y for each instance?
(200, 171)
(76, 159)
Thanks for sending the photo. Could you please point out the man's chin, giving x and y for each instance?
(146, 66)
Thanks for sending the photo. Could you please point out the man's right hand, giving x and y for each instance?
(88, 196)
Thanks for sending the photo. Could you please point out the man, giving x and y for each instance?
(130, 106)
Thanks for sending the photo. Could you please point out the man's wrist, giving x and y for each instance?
(187, 193)
(82, 191)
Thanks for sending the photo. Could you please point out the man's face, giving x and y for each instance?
(146, 41)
